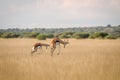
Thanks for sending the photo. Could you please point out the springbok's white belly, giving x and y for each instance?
(57, 43)
(39, 47)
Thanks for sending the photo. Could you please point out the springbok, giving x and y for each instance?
(56, 44)
(38, 46)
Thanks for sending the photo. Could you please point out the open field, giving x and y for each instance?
(81, 60)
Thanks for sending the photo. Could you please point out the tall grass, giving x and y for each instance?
(80, 60)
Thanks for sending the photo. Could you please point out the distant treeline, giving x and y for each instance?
(106, 32)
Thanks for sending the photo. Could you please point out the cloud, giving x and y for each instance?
(59, 11)
(70, 7)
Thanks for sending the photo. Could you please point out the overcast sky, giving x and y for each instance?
(58, 13)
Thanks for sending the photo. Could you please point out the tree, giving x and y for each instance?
(109, 25)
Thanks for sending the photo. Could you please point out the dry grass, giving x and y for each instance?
(80, 60)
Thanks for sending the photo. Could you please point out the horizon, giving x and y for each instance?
(52, 27)
(60, 27)
(58, 13)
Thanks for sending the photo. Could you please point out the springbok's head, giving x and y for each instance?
(66, 42)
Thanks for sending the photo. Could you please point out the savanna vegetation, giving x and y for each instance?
(101, 32)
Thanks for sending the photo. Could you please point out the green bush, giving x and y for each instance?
(111, 37)
(1, 34)
(49, 35)
(30, 35)
(103, 34)
(69, 33)
(9, 35)
(98, 35)
(41, 37)
(64, 35)
(33, 34)
(80, 35)
(84, 35)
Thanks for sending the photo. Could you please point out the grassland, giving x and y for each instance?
(81, 60)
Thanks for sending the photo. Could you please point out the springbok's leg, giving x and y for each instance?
(33, 50)
(63, 44)
(40, 49)
(58, 49)
(52, 50)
